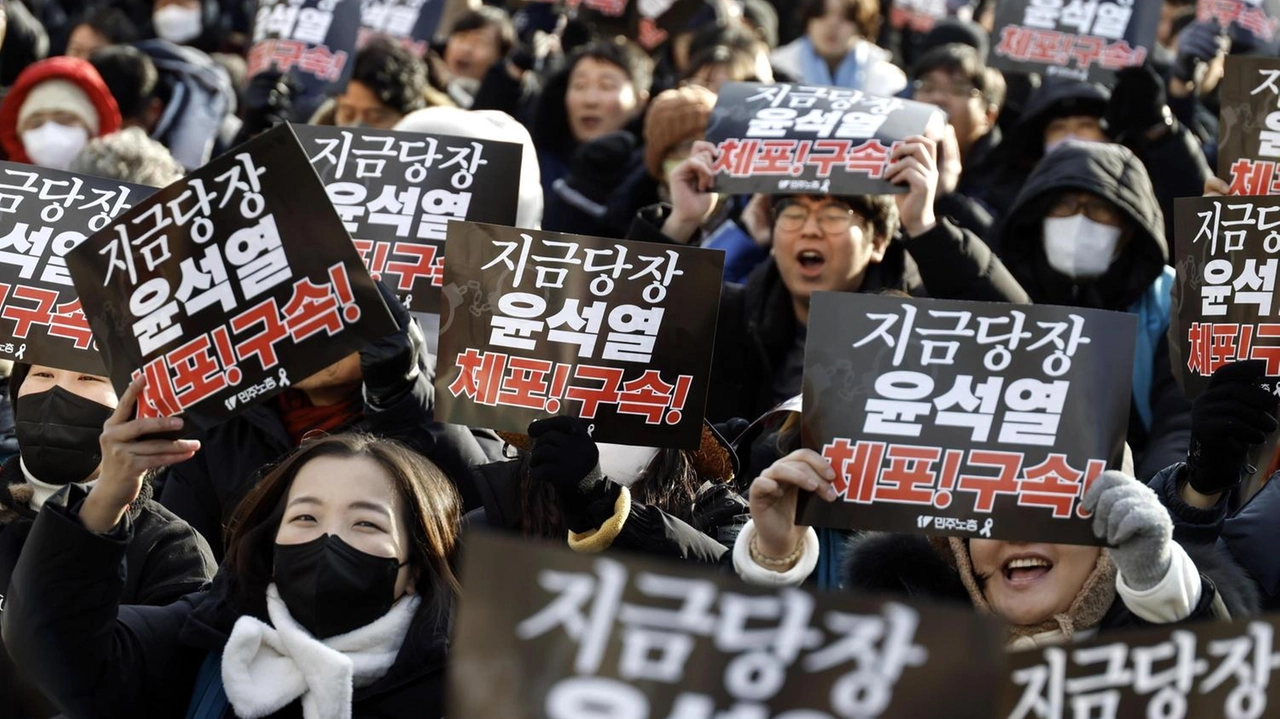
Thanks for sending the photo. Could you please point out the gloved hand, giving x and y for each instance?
(1233, 413)
(1138, 104)
(268, 102)
(1199, 43)
(566, 457)
(391, 365)
(1129, 517)
(731, 428)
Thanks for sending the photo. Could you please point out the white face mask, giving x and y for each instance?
(1078, 247)
(53, 145)
(177, 24)
(623, 463)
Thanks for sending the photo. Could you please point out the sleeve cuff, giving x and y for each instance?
(753, 573)
(599, 539)
(1184, 511)
(1173, 599)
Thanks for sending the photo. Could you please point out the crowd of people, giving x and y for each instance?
(300, 558)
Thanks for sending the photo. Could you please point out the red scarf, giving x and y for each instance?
(301, 418)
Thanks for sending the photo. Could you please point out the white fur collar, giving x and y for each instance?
(265, 667)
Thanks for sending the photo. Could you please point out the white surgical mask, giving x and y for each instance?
(53, 145)
(177, 24)
(1078, 247)
(624, 464)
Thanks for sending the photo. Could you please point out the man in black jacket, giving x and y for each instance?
(823, 242)
(386, 389)
(1086, 231)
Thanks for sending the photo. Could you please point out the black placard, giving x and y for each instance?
(1249, 150)
(413, 22)
(397, 192)
(545, 632)
(964, 418)
(43, 215)
(1201, 669)
(542, 323)
(917, 15)
(314, 40)
(1227, 251)
(788, 139)
(227, 286)
(1261, 18)
(1085, 40)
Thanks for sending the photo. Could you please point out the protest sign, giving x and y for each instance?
(1261, 18)
(964, 418)
(1250, 126)
(648, 22)
(397, 192)
(43, 215)
(1202, 669)
(917, 15)
(413, 22)
(545, 632)
(1226, 251)
(1088, 40)
(227, 286)
(542, 323)
(315, 40)
(784, 139)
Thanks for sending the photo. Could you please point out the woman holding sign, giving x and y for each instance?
(1047, 592)
(59, 417)
(334, 598)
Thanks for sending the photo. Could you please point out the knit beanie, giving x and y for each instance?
(60, 95)
(675, 116)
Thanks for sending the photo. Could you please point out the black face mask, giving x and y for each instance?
(331, 588)
(58, 435)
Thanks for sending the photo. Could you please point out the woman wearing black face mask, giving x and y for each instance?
(333, 601)
(59, 416)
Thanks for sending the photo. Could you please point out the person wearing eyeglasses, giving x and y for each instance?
(1086, 230)
(865, 243)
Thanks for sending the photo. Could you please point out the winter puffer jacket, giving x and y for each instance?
(1247, 529)
(68, 627)
(163, 560)
(757, 324)
(71, 69)
(1139, 281)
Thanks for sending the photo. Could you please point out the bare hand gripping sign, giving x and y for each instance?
(549, 633)
(782, 139)
(543, 323)
(44, 214)
(964, 418)
(227, 286)
(397, 192)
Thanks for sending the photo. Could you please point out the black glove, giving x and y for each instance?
(566, 457)
(1198, 44)
(268, 100)
(391, 365)
(731, 428)
(1233, 413)
(1138, 104)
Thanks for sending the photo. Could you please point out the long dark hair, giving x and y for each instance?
(432, 514)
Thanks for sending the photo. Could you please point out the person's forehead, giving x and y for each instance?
(1076, 120)
(945, 74)
(814, 201)
(1081, 195)
(357, 93)
(342, 480)
(595, 67)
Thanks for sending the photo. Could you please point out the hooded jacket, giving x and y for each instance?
(98, 657)
(756, 326)
(163, 560)
(71, 69)
(1138, 281)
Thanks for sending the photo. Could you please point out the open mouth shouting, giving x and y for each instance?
(1025, 569)
(811, 263)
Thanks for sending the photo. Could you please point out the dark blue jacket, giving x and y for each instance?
(1248, 530)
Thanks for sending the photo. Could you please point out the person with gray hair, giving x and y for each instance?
(129, 156)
